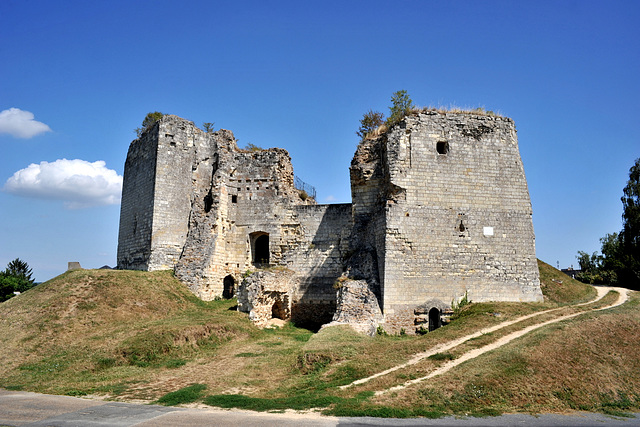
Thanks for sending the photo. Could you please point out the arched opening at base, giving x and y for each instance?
(278, 311)
(434, 319)
(228, 287)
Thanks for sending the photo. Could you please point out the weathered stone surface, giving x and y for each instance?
(357, 306)
(266, 295)
(442, 202)
(440, 208)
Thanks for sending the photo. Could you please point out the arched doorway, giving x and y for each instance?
(228, 287)
(260, 246)
(278, 311)
(434, 319)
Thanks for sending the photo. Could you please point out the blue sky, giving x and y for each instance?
(77, 77)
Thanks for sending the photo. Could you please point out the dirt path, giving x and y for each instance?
(601, 292)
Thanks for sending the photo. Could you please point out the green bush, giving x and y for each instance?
(369, 123)
(148, 121)
(457, 306)
(401, 105)
(15, 278)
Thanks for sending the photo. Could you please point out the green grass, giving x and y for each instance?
(188, 394)
(135, 335)
(442, 356)
(561, 289)
(299, 402)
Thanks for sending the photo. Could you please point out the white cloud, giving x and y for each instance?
(21, 124)
(330, 198)
(78, 183)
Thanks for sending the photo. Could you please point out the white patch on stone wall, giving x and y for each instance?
(488, 231)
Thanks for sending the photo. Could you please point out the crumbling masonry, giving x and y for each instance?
(440, 208)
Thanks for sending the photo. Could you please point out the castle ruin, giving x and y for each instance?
(440, 208)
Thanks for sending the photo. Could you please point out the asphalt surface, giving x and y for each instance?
(18, 408)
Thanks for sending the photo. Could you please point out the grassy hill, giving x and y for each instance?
(129, 335)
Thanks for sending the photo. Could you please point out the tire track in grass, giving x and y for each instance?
(602, 291)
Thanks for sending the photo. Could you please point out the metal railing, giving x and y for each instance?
(303, 186)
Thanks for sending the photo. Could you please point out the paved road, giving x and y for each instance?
(19, 408)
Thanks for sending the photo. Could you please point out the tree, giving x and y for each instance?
(589, 267)
(15, 278)
(8, 286)
(611, 252)
(587, 263)
(208, 127)
(370, 122)
(630, 234)
(148, 121)
(19, 268)
(401, 105)
(620, 259)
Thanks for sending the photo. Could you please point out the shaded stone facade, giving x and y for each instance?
(440, 207)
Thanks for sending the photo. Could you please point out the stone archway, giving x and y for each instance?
(228, 287)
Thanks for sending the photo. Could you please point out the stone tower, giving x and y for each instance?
(442, 201)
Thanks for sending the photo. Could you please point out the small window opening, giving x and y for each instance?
(228, 287)
(434, 319)
(208, 202)
(234, 198)
(442, 147)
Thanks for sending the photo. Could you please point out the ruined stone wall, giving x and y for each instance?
(201, 203)
(458, 214)
(440, 207)
(318, 259)
(239, 196)
(367, 243)
(312, 243)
